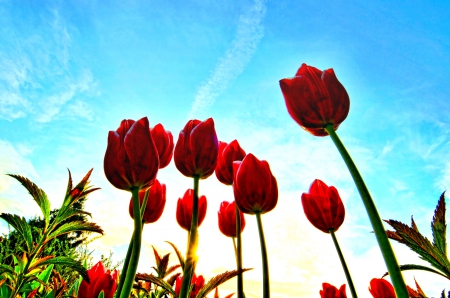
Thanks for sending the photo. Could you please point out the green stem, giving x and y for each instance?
(265, 264)
(377, 225)
(344, 265)
(191, 259)
(238, 250)
(134, 259)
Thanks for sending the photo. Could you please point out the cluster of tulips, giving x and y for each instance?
(318, 102)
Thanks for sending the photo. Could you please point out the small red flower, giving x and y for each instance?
(164, 144)
(323, 207)
(131, 159)
(227, 219)
(197, 282)
(228, 153)
(315, 98)
(330, 291)
(184, 209)
(100, 280)
(255, 188)
(196, 149)
(155, 202)
(381, 288)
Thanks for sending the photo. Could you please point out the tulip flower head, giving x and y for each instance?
(184, 209)
(155, 202)
(255, 188)
(196, 149)
(315, 98)
(381, 288)
(323, 207)
(100, 280)
(197, 282)
(131, 159)
(164, 144)
(227, 219)
(330, 291)
(228, 153)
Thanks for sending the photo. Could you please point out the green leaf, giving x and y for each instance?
(6, 268)
(418, 267)
(38, 195)
(69, 262)
(438, 226)
(421, 245)
(75, 226)
(218, 280)
(157, 281)
(101, 294)
(21, 226)
(179, 255)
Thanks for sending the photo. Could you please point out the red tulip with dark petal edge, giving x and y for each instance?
(131, 159)
(164, 144)
(228, 153)
(101, 280)
(315, 98)
(198, 283)
(227, 219)
(155, 202)
(323, 207)
(381, 288)
(255, 188)
(184, 209)
(330, 291)
(196, 149)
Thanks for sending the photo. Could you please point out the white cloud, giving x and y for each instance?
(249, 32)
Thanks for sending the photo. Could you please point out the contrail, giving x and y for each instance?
(232, 64)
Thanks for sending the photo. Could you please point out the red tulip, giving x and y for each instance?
(381, 288)
(164, 144)
(255, 188)
(100, 280)
(323, 207)
(131, 158)
(155, 202)
(330, 291)
(196, 149)
(197, 282)
(184, 209)
(315, 98)
(228, 153)
(227, 219)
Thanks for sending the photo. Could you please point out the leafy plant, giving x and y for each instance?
(30, 267)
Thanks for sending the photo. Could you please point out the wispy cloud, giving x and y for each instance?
(232, 64)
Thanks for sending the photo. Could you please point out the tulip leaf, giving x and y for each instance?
(69, 262)
(21, 226)
(179, 255)
(75, 226)
(157, 281)
(438, 226)
(218, 280)
(418, 267)
(38, 195)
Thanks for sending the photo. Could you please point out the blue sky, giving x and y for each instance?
(70, 71)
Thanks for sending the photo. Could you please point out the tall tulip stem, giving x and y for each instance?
(377, 225)
(191, 259)
(265, 263)
(344, 265)
(137, 235)
(238, 250)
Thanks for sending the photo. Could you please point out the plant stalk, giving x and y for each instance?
(344, 265)
(238, 253)
(265, 264)
(191, 258)
(377, 225)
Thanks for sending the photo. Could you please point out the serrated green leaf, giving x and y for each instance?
(21, 226)
(438, 226)
(217, 281)
(69, 262)
(171, 279)
(69, 184)
(157, 281)
(75, 226)
(179, 255)
(38, 195)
